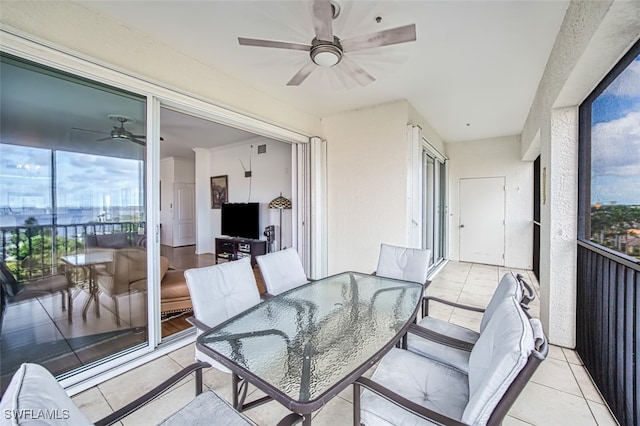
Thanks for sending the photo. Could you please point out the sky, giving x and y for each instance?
(82, 181)
(615, 140)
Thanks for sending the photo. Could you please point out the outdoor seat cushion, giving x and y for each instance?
(508, 287)
(207, 409)
(497, 358)
(35, 396)
(424, 381)
(456, 358)
(281, 270)
(403, 263)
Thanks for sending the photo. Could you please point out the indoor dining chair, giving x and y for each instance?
(403, 263)
(218, 293)
(281, 270)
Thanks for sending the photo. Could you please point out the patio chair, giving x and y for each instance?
(281, 270)
(218, 293)
(445, 341)
(403, 263)
(408, 388)
(12, 291)
(34, 391)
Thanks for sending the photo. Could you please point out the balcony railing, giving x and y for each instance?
(33, 251)
(607, 329)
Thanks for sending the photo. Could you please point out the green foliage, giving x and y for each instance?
(611, 226)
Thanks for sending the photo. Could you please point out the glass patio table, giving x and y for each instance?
(306, 345)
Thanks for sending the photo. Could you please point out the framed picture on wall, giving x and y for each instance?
(219, 191)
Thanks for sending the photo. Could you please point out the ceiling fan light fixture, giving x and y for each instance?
(326, 58)
(326, 54)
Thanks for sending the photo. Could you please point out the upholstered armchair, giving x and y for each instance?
(115, 278)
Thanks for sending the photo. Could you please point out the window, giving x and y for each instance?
(610, 160)
(72, 208)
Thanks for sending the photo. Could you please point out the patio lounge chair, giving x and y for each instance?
(408, 388)
(451, 343)
(34, 395)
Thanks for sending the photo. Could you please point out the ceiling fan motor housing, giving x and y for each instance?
(326, 53)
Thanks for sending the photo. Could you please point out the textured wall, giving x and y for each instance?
(367, 184)
(593, 36)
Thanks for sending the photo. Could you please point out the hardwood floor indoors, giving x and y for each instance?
(186, 258)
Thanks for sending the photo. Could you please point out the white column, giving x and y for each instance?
(559, 209)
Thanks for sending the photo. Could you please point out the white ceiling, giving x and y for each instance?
(472, 73)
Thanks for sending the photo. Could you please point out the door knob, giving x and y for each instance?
(461, 226)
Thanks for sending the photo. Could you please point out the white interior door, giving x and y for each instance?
(482, 205)
(184, 222)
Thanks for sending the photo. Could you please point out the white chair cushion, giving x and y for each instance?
(35, 396)
(507, 287)
(403, 263)
(207, 409)
(456, 358)
(496, 359)
(220, 292)
(281, 270)
(426, 382)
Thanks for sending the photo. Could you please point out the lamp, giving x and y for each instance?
(280, 203)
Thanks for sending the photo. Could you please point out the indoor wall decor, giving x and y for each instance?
(219, 191)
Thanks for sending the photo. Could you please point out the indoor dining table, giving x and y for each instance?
(304, 346)
(89, 261)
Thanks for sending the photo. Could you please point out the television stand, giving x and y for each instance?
(236, 248)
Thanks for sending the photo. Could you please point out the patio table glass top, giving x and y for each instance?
(305, 345)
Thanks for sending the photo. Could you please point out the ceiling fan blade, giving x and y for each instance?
(138, 141)
(272, 43)
(323, 20)
(88, 130)
(355, 71)
(104, 139)
(380, 38)
(301, 75)
(139, 136)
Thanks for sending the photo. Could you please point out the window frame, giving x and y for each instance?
(584, 155)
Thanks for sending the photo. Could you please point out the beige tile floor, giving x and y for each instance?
(559, 393)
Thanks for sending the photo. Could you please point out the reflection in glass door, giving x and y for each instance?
(72, 220)
(433, 205)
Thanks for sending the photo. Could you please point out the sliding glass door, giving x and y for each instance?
(72, 219)
(433, 204)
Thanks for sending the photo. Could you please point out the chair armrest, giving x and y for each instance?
(290, 419)
(440, 338)
(154, 393)
(403, 402)
(426, 299)
(530, 293)
(198, 324)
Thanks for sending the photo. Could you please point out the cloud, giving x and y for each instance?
(627, 84)
(615, 146)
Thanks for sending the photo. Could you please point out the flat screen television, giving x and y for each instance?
(241, 220)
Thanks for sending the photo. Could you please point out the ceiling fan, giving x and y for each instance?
(327, 50)
(119, 132)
